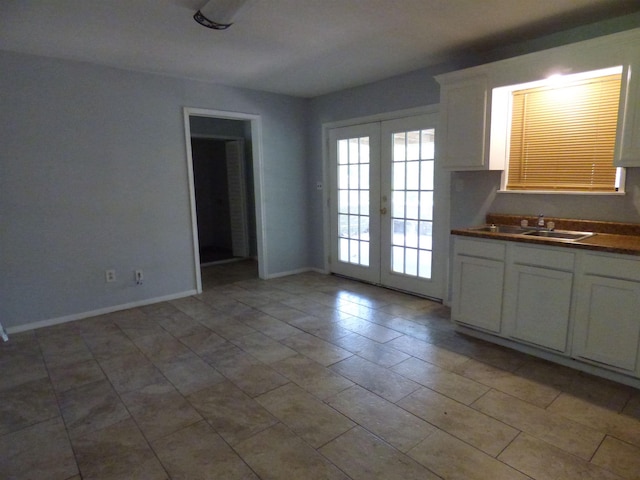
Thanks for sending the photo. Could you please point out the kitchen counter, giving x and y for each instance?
(611, 237)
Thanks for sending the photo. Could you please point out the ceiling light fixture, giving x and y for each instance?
(218, 14)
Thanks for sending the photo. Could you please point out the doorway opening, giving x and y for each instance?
(223, 155)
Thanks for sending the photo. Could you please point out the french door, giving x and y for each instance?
(385, 207)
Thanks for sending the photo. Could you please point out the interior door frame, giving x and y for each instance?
(444, 234)
(258, 182)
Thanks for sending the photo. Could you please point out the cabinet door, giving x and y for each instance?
(463, 116)
(537, 305)
(608, 322)
(477, 292)
(629, 126)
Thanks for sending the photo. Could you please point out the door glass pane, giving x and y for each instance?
(353, 200)
(412, 202)
(397, 204)
(343, 201)
(398, 176)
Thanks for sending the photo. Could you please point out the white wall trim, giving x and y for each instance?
(101, 311)
(291, 272)
(258, 185)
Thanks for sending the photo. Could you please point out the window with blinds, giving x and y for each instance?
(563, 136)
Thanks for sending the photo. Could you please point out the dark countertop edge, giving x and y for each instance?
(601, 242)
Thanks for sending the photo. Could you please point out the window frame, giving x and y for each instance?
(501, 119)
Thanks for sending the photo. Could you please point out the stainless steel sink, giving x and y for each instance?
(509, 229)
(559, 234)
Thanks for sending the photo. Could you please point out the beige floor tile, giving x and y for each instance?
(450, 384)
(277, 453)
(316, 349)
(453, 459)
(104, 346)
(27, 404)
(130, 372)
(282, 312)
(72, 375)
(555, 429)
(619, 457)
(371, 330)
(428, 352)
(159, 410)
(20, 366)
(270, 326)
(197, 452)
(537, 393)
(264, 348)
(91, 407)
(465, 423)
(179, 324)
(311, 376)
(309, 323)
(160, 346)
(204, 342)
(547, 373)
(61, 349)
(617, 425)
(39, 452)
(373, 351)
(314, 421)
(233, 414)
(393, 424)
(485, 352)
(364, 456)
(600, 391)
(378, 380)
(632, 408)
(227, 327)
(542, 461)
(189, 373)
(330, 332)
(116, 452)
(248, 373)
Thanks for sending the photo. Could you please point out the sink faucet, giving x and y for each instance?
(540, 221)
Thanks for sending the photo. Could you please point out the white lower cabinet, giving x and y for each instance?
(571, 304)
(537, 300)
(478, 278)
(607, 329)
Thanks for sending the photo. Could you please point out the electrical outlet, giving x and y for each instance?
(318, 185)
(110, 276)
(139, 277)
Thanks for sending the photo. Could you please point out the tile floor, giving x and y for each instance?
(304, 377)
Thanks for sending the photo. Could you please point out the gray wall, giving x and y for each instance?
(93, 176)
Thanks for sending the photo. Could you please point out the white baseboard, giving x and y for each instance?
(291, 272)
(93, 313)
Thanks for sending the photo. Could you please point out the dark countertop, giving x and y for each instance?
(601, 242)
(610, 237)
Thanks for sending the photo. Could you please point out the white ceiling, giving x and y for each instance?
(296, 47)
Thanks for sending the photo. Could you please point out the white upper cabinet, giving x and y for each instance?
(463, 120)
(474, 115)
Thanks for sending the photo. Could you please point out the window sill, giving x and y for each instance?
(560, 192)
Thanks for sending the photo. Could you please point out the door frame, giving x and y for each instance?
(443, 235)
(258, 182)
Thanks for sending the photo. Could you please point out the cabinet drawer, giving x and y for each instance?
(491, 249)
(614, 267)
(543, 257)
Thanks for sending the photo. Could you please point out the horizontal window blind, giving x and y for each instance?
(563, 137)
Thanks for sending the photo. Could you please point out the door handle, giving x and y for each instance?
(383, 211)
